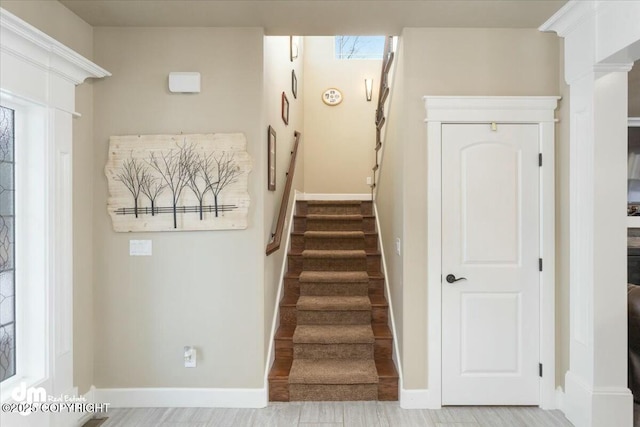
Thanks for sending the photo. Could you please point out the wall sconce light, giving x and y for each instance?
(368, 86)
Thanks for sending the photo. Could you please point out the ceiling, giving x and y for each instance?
(317, 17)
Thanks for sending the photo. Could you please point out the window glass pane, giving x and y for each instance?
(359, 47)
(7, 242)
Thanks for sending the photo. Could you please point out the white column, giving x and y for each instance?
(596, 383)
(600, 41)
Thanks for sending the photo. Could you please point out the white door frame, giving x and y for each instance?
(464, 109)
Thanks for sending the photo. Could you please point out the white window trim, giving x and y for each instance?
(35, 69)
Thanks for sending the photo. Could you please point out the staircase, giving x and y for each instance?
(333, 342)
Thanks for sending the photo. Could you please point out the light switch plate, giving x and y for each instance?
(140, 248)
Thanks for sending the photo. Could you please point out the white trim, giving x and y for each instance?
(560, 398)
(499, 109)
(597, 406)
(329, 196)
(183, 397)
(634, 122)
(565, 20)
(276, 310)
(26, 42)
(396, 348)
(89, 397)
(605, 68)
(414, 399)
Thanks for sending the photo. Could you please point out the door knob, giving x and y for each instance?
(452, 279)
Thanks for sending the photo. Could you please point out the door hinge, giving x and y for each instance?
(540, 159)
(540, 369)
(540, 264)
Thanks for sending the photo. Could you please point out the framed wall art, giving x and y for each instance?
(293, 49)
(294, 84)
(285, 109)
(178, 182)
(271, 159)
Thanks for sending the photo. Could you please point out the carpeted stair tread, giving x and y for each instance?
(335, 217)
(333, 371)
(333, 334)
(334, 235)
(333, 276)
(334, 202)
(317, 253)
(333, 303)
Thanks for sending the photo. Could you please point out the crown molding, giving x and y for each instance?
(569, 17)
(623, 67)
(27, 43)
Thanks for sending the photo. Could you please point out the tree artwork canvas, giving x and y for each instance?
(178, 182)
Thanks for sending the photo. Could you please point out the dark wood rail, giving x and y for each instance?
(383, 94)
(274, 245)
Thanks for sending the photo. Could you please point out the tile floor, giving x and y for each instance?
(330, 414)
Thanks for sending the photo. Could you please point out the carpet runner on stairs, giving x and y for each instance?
(333, 342)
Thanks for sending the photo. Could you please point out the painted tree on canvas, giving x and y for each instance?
(222, 172)
(173, 166)
(131, 175)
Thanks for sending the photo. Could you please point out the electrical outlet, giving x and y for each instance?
(190, 357)
(369, 180)
(398, 246)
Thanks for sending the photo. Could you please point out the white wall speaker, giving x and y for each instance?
(184, 82)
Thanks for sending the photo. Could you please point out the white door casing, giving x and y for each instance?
(538, 110)
(490, 242)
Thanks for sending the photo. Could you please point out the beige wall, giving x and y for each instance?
(277, 79)
(441, 61)
(199, 288)
(58, 22)
(389, 197)
(339, 140)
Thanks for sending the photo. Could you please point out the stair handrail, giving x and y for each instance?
(274, 245)
(383, 94)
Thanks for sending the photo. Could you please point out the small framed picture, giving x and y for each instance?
(285, 109)
(293, 49)
(294, 84)
(271, 159)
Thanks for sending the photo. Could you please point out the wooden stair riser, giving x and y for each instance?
(388, 389)
(376, 286)
(284, 348)
(380, 314)
(288, 315)
(333, 351)
(306, 207)
(334, 289)
(326, 317)
(298, 243)
(302, 224)
(279, 390)
(296, 264)
(332, 392)
(383, 348)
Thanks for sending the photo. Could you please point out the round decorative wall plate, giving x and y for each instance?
(332, 96)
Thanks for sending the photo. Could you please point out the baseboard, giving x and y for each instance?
(329, 196)
(182, 397)
(276, 310)
(599, 406)
(396, 348)
(88, 397)
(415, 399)
(560, 399)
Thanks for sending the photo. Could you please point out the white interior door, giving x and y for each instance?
(490, 237)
